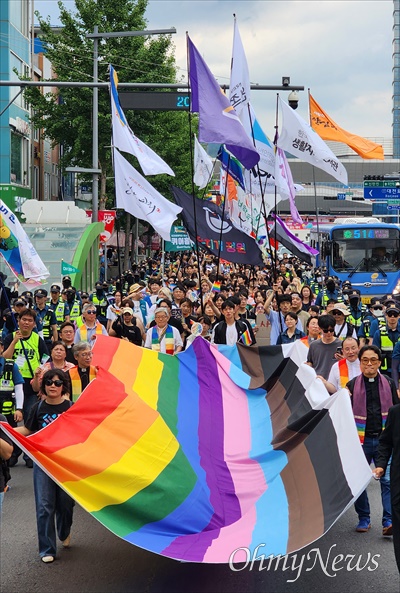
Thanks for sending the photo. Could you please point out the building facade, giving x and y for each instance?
(15, 130)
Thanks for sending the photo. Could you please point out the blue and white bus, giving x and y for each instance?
(362, 250)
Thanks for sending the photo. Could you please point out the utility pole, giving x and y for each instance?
(95, 111)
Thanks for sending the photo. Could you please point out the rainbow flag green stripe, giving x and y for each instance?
(151, 504)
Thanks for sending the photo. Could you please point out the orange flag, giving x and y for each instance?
(327, 129)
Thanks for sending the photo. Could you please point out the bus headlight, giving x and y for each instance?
(397, 288)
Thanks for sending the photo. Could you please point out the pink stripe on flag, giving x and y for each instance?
(237, 446)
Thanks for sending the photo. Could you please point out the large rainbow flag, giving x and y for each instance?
(196, 455)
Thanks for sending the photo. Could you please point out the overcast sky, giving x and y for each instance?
(342, 51)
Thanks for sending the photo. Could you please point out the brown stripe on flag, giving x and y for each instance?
(306, 515)
(251, 365)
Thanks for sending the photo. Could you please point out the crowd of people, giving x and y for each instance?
(47, 339)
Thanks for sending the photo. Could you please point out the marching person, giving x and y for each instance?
(163, 337)
(230, 330)
(59, 306)
(345, 369)
(53, 505)
(28, 350)
(343, 329)
(90, 328)
(45, 315)
(387, 336)
(372, 394)
(6, 450)
(389, 444)
(83, 372)
(322, 352)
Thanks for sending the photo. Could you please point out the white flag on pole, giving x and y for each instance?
(239, 87)
(203, 165)
(300, 140)
(136, 195)
(127, 141)
(284, 183)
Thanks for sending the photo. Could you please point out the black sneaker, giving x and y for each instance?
(29, 463)
(12, 461)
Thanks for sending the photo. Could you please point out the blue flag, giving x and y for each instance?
(231, 166)
(218, 122)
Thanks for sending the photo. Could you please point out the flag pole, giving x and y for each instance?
(263, 209)
(275, 207)
(223, 213)
(316, 208)
(193, 188)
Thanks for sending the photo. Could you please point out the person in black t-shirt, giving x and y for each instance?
(126, 328)
(53, 505)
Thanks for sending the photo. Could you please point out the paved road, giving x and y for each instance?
(99, 562)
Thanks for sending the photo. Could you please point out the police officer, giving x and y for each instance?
(330, 291)
(11, 396)
(99, 300)
(27, 348)
(73, 303)
(59, 306)
(45, 313)
(357, 309)
(387, 336)
(373, 320)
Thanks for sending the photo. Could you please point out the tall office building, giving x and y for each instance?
(396, 79)
(15, 131)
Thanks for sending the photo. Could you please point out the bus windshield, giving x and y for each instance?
(365, 250)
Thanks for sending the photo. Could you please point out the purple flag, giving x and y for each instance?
(218, 121)
(281, 234)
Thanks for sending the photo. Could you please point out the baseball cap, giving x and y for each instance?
(40, 293)
(392, 307)
(54, 288)
(20, 303)
(66, 278)
(127, 310)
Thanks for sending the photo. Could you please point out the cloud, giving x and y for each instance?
(342, 51)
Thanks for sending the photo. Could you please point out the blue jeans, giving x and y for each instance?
(370, 448)
(53, 505)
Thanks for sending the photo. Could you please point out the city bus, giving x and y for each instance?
(364, 251)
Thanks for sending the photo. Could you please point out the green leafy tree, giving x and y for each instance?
(66, 116)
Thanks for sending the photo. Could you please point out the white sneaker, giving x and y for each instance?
(47, 559)
(67, 542)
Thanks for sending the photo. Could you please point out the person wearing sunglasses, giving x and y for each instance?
(372, 394)
(322, 354)
(387, 336)
(90, 328)
(54, 508)
(343, 329)
(373, 320)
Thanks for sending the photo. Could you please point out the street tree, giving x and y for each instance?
(65, 116)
